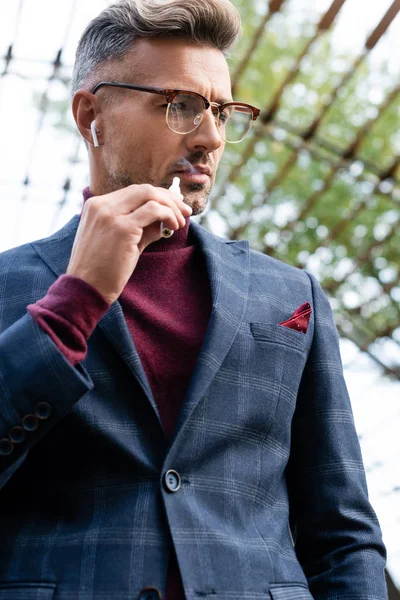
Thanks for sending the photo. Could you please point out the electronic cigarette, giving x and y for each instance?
(175, 187)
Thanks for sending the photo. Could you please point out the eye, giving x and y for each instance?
(179, 105)
(223, 117)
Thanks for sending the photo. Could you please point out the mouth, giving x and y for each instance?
(200, 174)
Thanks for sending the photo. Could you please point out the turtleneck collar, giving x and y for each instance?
(180, 239)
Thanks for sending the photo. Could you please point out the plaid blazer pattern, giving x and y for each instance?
(273, 501)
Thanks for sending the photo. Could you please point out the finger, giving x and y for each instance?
(129, 199)
(147, 193)
(154, 212)
(136, 195)
(173, 199)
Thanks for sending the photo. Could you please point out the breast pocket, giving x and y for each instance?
(27, 591)
(279, 354)
(278, 334)
(256, 377)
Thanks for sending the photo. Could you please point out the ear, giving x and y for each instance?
(86, 109)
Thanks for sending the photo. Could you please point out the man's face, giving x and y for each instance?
(137, 145)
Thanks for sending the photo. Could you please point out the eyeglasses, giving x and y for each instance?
(186, 109)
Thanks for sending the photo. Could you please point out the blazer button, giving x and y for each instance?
(6, 447)
(30, 423)
(172, 481)
(43, 410)
(17, 435)
(150, 593)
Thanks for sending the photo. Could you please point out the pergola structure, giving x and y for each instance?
(353, 323)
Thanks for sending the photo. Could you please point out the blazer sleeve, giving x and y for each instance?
(336, 533)
(38, 386)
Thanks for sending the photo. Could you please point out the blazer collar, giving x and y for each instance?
(227, 265)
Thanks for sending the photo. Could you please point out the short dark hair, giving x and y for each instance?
(112, 33)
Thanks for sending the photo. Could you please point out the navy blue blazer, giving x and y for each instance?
(267, 498)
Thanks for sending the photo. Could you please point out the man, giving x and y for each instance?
(174, 419)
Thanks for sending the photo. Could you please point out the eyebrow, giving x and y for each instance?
(223, 101)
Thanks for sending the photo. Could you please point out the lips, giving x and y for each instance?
(194, 176)
(196, 170)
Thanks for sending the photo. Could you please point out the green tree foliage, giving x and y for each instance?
(320, 204)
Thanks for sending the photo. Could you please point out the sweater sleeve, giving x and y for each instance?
(69, 314)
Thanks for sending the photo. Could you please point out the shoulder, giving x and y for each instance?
(278, 274)
(27, 271)
(21, 258)
(17, 259)
(267, 275)
(20, 271)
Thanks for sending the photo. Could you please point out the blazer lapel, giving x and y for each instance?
(228, 265)
(56, 252)
(115, 328)
(228, 270)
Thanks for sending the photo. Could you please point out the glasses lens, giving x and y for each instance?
(235, 122)
(185, 113)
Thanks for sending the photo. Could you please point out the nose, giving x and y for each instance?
(206, 135)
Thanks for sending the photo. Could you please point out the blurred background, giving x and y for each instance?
(317, 183)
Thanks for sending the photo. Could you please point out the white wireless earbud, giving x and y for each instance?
(94, 134)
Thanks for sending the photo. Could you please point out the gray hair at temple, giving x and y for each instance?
(113, 32)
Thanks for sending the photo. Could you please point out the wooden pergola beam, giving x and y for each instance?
(268, 113)
(383, 25)
(274, 7)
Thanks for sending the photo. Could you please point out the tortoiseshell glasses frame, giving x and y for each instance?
(240, 108)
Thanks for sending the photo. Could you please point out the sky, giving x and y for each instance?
(34, 147)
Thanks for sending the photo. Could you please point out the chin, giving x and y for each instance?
(197, 198)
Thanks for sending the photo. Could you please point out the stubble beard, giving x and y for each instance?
(199, 195)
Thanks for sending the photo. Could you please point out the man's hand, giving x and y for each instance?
(116, 228)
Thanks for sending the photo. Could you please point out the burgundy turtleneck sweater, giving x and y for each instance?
(167, 306)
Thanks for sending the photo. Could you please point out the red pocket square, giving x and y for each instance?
(299, 319)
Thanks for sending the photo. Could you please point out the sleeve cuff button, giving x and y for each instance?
(43, 410)
(6, 447)
(30, 423)
(17, 435)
